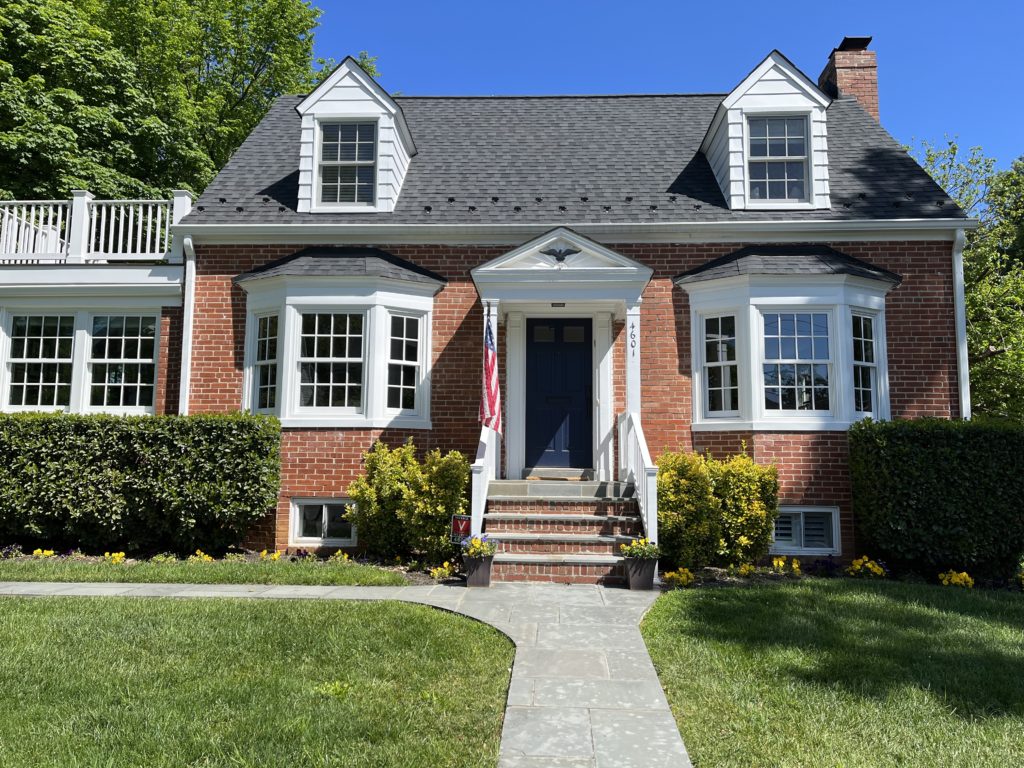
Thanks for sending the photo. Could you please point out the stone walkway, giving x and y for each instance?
(584, 693)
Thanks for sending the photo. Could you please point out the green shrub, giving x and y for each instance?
(715, 512)
(749, 498)
(689, 515)
(404, 506)
(933, 494)
(138, 483)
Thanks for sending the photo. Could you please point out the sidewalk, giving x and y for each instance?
(584, 693)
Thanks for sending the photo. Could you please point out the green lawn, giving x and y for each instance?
(843, 673)
(183, 572)
(152, 682)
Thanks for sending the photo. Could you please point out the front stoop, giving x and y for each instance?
(557, 531)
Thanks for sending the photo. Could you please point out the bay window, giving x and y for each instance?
(331, 360)
(721, 379)
(796, 361)
(265, 363)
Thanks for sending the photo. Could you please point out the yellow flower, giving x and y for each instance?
(114, 558)
(42, 553)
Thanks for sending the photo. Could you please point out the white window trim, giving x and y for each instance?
(808, 199)
(316, 205)
(376, 299)
(787, 549)
(748, 298)
(295, 539)
(420, 364)
(81, 370)
(700, 348)
(250, 347)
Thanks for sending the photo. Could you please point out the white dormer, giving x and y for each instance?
(768, 144)
(355, 146)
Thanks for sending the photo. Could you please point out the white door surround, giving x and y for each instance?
(562, 274)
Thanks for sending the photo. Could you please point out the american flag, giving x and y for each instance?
(490, 402)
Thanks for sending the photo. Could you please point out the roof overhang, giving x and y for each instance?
(78, 284)
(762, 231)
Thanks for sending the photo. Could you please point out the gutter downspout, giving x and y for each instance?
(960, 309)
(189, 307)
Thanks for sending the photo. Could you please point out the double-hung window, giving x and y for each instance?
(82, 361)
(404, 362)
(265, 363)
(331, 360)
(348, 163)
(796, 361)
(721, 380)
(41, 361)
(777, 161)
(123, 361)
(865, 368)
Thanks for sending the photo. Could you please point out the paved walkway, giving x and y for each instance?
(584, 693)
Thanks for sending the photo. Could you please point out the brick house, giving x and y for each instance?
(759, 268)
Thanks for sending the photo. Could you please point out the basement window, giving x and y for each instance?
(322, 523)
(806, 531)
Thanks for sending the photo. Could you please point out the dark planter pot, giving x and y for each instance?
(640, 572)
(478, 571)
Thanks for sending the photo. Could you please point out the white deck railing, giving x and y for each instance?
(34, 230)
(129, 229)
(635, 466)
(84, 230)
(482, 471)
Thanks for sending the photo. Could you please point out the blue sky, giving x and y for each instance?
(944, 68)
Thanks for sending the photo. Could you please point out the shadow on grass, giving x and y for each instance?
(871, 640)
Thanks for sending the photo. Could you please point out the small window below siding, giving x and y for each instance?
(806, 530)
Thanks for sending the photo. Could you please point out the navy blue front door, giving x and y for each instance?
(559, 405)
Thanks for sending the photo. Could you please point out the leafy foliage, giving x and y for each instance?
(993, 272)
(932, 494)
(715, 512)
(402, 505)
(132, 98)
(142, 483)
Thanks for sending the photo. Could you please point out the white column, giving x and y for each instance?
(78, 227)
(515, 395)
(491, 312)
(633, 357)
(181, 205)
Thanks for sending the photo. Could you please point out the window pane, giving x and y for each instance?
(337, 524)
(41, 350)
(311, 521)
(817, 531)
(786, 529)
(758, 127)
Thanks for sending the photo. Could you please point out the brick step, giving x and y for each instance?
(586, 525)
(562, 569)
(559, 489)
(558, 543)
(538, 506)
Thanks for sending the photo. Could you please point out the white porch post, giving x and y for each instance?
(78, 227)
(181, 205)
(491, 313)
(633, 358)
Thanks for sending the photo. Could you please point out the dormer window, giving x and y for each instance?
(777, 158)
(348, 163)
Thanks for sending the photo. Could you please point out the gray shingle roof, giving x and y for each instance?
(567, 159)
(786, 260)
(328, 261)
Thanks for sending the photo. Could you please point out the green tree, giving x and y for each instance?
(993, 271)
(73, 111)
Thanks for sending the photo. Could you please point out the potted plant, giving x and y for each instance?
(641, 561)
(477, 556)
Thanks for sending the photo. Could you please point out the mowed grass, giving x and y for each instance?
(153, 682)
(843, 673)
(218, 572)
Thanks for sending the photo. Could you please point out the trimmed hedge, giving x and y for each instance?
(137, 483)
(932, 494)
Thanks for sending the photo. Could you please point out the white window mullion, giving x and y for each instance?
(378, 343)
(80, 370)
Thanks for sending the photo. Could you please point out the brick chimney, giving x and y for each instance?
(852, 71)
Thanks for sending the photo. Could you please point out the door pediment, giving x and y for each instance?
(565, 263)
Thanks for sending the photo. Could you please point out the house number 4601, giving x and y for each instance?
(633, 341)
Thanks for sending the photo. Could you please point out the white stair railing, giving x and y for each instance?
(482, 471)
(635, 466)
(33, 230)
(129, 229)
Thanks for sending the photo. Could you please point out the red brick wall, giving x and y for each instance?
(168, 366)
(921, 344)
